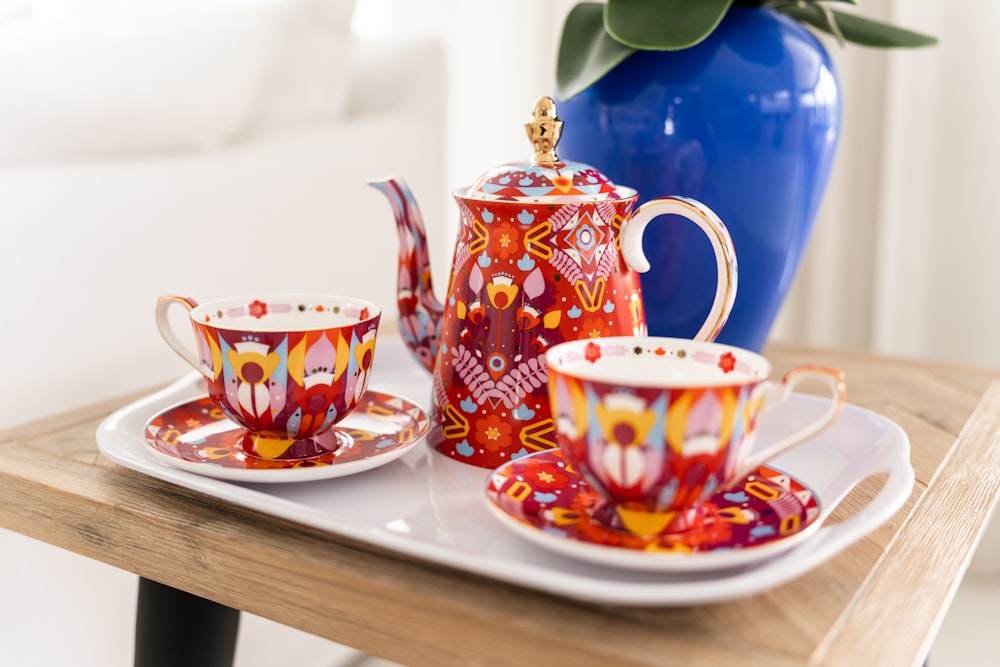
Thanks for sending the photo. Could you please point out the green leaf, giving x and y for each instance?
(586, 51)
(663, 25)
(856, 29)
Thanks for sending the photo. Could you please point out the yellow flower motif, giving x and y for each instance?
(502, 291)
(625, 419)
(252, 362)
(364, 352)
(702, 420)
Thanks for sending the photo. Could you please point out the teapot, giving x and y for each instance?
(548, 251)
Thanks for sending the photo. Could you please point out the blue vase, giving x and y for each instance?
(747, 122)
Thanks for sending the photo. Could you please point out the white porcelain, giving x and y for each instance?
(436, 510)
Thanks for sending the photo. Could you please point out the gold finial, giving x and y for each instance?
(543, 130)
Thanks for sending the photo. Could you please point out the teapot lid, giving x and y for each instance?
(545, 175)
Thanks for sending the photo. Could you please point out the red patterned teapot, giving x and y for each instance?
(548, 251)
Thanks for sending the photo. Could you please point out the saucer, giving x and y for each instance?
(544, 500)
(196, 436)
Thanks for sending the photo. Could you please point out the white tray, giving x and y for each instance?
(427, 506)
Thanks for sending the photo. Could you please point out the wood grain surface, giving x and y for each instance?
(880, 602)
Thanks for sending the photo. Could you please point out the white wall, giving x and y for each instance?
(500, 58)
(903, 260)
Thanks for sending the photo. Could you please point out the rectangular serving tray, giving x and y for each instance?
(427, 506)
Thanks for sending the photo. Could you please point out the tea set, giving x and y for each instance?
(598, 441)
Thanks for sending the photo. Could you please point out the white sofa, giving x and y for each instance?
(205, 148)
(200, 147)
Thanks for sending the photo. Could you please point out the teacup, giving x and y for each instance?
(286, 368)
(657, 425)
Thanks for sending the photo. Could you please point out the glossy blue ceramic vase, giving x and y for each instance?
(747, 122)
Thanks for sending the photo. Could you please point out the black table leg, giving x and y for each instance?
(176, 628)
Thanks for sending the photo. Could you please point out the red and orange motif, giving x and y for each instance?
(277, 370)
(544, 492)
(539, 260)
(526, 275)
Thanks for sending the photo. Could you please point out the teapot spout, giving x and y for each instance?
(419, 309)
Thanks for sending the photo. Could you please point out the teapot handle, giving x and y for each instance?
(725, 255)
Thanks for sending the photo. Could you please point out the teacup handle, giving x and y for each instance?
(163, 304)
(725, 255)
(775, 392)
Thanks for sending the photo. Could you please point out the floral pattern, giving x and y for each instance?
(505, 241)
(544, 275)
(258, 309)
(543, 491)
(502, 291)
(493, 433)
(197, 431)
(526, 275)
(663, 447)
(595, 328)
(727, 362)
(545, 475)
(286, 385)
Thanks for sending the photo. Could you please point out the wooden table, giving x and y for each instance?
(880, 602)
